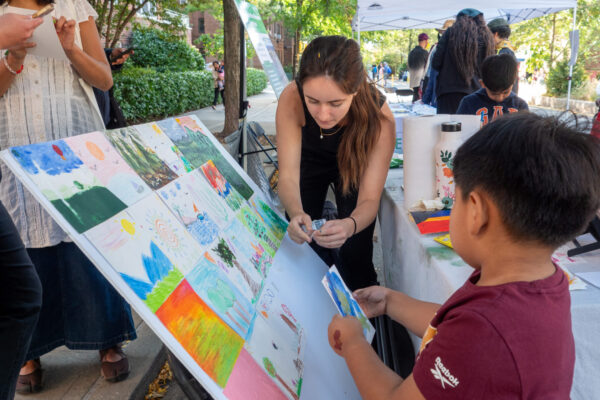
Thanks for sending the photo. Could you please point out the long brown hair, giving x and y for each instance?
(464, 40)
(339, 58)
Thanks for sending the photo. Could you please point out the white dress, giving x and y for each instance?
(47, 101)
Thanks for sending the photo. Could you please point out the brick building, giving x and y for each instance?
(203, 22)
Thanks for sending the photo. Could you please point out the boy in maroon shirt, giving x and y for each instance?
(525, 184)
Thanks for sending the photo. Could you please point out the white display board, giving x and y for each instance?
(185, 236)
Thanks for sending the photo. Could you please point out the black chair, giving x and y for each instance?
(594, 230)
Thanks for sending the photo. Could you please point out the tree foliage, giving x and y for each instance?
(307, 19)
(546, 39)
(161, 51)
(114, 16)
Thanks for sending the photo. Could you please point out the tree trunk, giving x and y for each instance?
(231, 27)
(297, 35)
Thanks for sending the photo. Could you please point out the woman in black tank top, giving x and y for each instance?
(334, 128)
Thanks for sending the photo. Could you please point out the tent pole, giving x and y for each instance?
(358, 30)
(571, 66)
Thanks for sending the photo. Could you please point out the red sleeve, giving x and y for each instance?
(466, 359)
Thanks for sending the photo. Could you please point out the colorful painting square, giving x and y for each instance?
(68, 184)
(98, 154)
(206, 338)
(142, 159)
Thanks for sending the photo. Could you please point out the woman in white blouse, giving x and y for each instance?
(43, 99)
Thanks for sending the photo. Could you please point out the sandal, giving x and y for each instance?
(31, 382)
(114, 371)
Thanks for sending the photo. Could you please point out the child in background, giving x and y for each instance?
(525, 184)
(495, 98)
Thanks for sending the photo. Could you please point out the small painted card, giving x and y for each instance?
(142, 159)
(158, 142)
(108, 166)
(344, 302)
(278, 356)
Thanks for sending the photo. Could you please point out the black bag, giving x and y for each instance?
(117, 120)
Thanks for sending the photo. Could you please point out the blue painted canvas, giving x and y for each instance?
(345, 302)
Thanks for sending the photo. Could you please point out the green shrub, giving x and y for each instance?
(151, 95)
(256, 81)
(145, 94)
(162, 52)
(557, 83)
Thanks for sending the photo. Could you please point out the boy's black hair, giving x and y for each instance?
(503, 30)
(542, 173)
(498, 72)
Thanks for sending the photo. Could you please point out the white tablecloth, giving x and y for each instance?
(422, 268)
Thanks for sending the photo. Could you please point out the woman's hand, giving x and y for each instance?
(372, 300)
(65, 29)
(334, 233)
(343, 333)
(15, 29)
(297, 234)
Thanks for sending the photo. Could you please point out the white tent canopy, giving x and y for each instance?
(378, 15)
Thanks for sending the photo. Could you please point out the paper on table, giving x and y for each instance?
(591, 277)
(45, 37)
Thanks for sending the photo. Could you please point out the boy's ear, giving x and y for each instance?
(477, 212)
(481, 83)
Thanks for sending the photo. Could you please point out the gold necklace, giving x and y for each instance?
(329, 134)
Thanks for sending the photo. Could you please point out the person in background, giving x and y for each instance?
(501, 30)
(334, 127)
(80, 309)
(21, 294)
(218, 74)
(459, 54)
(431, 74)
(506, 333)
(374, 71)
(112, 116)
(496, 97)
(417, 61)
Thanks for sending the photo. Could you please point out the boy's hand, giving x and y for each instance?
(343, 333)
(372, 300)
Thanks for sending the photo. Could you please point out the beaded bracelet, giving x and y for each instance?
(12, 71)
(353, 220)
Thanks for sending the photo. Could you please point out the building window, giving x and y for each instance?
(201, 25)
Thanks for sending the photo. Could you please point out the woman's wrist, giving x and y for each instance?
(353, 225)
(13, 60)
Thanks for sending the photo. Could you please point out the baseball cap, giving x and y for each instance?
(423, 36)
(497, 23)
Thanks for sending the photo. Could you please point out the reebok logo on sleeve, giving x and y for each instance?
(442, 374)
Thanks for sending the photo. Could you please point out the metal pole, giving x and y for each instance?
(243, 103)
(358, 25)
(571, 66)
